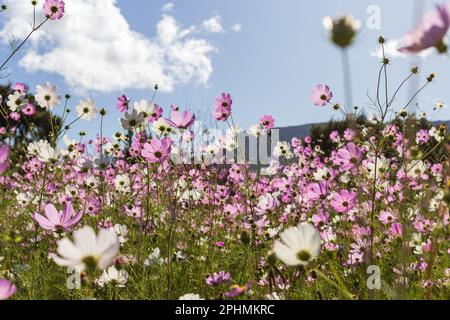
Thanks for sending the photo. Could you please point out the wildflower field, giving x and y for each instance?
(162, 210)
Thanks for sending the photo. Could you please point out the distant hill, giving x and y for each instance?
(300, 131)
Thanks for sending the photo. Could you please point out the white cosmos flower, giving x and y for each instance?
(154, 258)
(117, 278)
(132, 120)
(48, 154)
(255, 130)
(417, 169)
(16, 101)
(161, 127)
(298, 245)
(144, 107)
(190, 296)
(47, 96)
(122, 232)
(88, 250)
(122, 182)
(86, 109)
(283, 149)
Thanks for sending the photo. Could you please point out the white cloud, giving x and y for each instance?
(236, 27)
(168, 7)
(213, 25)
(93, 48)
(391, 51)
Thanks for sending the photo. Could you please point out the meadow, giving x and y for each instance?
(144, 215)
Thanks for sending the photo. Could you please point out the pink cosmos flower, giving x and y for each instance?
(21, 87)
(181, 120)
(29, 110)
(321, 95)
(316, 191)
(55, 220)
(156, 114)
(157, 151)
(122, 103)
(344, 201)
(422, 136)
(267, 122)
(54, 9)
(4, 154)
(218, 278)
(7, 289)
(348, 157)
(235, 291)
(429, 33)
(15, 116)
(386, 217)
(396, 229)
(222, 110)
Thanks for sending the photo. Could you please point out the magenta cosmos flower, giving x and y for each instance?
(122, 103)
(7, 289)
(54, 9)
(157, 151)
(181, 120)
(348, 157)
(430, 32)
(222, 109)
(4, 154)
(29, 110)
(321, 95)
(343, 201)
(267, 122)
(218, 278)
(55, 220)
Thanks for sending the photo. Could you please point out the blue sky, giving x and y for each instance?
(270, 66)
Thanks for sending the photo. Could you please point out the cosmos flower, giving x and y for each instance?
(218, 278)
(223, 106)
(16, 101)
(7, 289)
(343, 201)
(190, 296)
(298, 245)
(54, 9)
(157, 150)
(29, 110)
(155, 258)
(55, 220)
(131, 121)
(86, 109)
(321, 95)
(47, 96)
(348, 157)
(21, 87)
(181, 120)
(88, 251)
(122, 103)
(429, 33)
(113, 277)
(4, 155)
(343, 29)
(267, 122)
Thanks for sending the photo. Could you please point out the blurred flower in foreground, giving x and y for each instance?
(7, 289)
(4, 155)
(429, 33)
(343, 29)
(88, 250)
